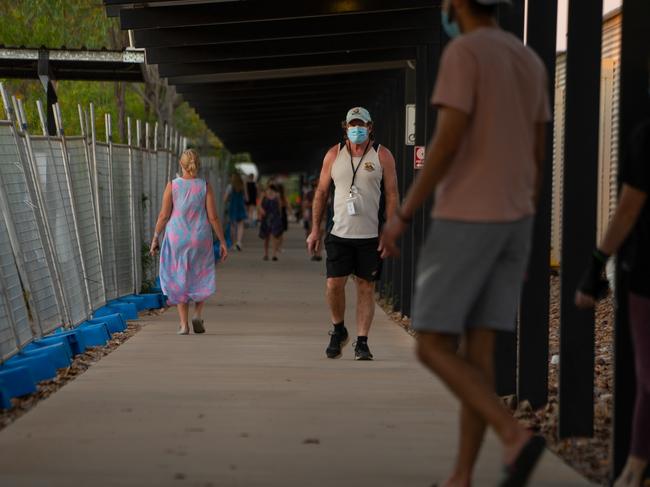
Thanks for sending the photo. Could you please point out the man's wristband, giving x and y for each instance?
(401, 216)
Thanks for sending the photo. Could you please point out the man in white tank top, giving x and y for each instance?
(358, 170)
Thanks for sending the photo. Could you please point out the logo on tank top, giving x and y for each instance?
(368, 166)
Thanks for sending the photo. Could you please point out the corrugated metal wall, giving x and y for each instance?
(608, 146)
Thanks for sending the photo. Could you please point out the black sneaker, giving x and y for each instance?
(361, 351)
(337, 341)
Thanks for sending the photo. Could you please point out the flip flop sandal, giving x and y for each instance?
(516, 474)
(197, 325)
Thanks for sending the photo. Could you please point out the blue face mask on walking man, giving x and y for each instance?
(358, 135)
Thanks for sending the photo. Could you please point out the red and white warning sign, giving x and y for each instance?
(418, 157)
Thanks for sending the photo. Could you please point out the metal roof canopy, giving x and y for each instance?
(271, 75)
(72, 64)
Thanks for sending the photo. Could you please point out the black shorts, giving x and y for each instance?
(358, 256)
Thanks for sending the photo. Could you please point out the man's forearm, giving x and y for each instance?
(391, 206)
(317, 210)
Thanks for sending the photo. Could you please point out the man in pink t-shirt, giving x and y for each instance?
(484, 163)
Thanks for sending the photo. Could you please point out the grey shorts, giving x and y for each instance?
(470, 275)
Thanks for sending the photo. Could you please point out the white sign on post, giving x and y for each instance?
(410, 125)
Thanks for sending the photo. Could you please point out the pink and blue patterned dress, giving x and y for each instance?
(187, 266)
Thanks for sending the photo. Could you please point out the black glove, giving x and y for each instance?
(592, 282)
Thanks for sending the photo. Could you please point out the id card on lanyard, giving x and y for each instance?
(352, 201)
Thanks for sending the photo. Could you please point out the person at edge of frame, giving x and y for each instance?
(628, 234)
(484, 163)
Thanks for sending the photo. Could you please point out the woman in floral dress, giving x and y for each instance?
(188, 216)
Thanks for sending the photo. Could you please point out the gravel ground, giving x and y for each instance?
(589, 456)
(79, 365)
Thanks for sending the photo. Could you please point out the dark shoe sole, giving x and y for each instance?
(343, 344)
(363, 359)
(197, 325)
(517, 474)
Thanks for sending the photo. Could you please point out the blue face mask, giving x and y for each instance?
(452, 29)
(358, 135)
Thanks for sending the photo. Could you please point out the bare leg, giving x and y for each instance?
(240, 232)
(438, 352)
(632, 474)
(183, 311)
(477, 349)
(365, 306)
(336, 298)
(276, 246)
(198, 309)
(266, 247)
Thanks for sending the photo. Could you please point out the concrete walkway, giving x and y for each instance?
(253, 402)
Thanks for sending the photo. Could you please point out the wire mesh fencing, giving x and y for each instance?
(76, 217)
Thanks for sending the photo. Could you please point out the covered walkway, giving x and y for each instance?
(251, 403)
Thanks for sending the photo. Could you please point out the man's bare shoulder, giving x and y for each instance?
(385, 155)
(331, 154)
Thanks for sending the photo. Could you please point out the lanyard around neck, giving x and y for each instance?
(355, 171)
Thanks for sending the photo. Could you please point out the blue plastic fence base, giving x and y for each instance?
(58, 353)
(129, 311)
(16, 381)
(41, 366)
(137, 300)
(94, 335)
(5, 400)
(115, 322)
(153, 301)
(52, 340)
(73, 337)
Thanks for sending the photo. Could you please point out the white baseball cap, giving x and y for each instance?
(358, 113)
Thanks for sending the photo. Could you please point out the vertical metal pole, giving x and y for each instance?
(101, 232)
(58, 120)
(83, 123)
(532, 382)
(579, 215)
(111, 194)
(132, 210)
(166, 149)
(410, 97)
(41, 117)
(634, 109)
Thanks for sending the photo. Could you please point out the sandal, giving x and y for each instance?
(516, 474)
(197, 325)
(183, 332)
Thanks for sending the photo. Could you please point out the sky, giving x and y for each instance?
(608, 5)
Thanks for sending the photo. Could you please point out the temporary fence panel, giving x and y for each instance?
(15, 329)
(53, 185)
(31, 248)
(85, 208)
(122, 225)
(102, 157)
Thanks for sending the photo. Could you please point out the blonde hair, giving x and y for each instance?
(190, 162)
